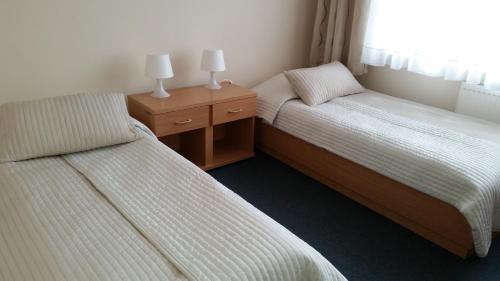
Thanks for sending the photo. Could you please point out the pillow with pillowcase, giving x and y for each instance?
(62, 125)
(271, 95)
(320, 84)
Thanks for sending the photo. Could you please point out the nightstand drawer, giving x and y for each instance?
(234, 110)
(181, 121)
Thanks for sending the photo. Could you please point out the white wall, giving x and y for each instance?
(427, 90)
(57, 47)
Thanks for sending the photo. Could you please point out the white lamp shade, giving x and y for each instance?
(158, 66)
(213, 61)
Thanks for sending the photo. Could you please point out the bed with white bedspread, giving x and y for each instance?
(448, 156)
(138, 211)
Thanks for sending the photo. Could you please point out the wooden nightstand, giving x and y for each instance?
(210, 128)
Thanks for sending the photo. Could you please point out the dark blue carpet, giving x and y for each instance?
(360, 243)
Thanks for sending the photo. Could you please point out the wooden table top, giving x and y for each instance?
(190, 97)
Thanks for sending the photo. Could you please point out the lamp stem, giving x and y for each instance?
(213, 81)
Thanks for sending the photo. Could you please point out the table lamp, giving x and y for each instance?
(213, 61)
(158, 67)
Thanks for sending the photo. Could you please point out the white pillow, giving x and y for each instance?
(320, 84)
(63, 125)
(271, 95)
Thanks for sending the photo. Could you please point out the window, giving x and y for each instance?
(454, 39)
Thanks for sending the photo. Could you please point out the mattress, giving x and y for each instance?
(449, 156)
(139, 211)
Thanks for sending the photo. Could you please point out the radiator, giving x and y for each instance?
(477, 101)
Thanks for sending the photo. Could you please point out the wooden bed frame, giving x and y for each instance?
(427, 216)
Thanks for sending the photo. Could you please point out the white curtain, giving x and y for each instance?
(454, 39)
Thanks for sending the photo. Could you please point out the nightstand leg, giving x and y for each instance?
(209, 148)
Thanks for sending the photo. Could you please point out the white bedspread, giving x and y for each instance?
(446, 155)
(203, 228)
(54, 226)
(139, 211)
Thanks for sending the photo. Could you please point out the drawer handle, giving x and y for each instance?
(184, 122)
(235, 110)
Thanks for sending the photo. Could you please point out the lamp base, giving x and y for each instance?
(215, 86)
(160, 95)
(160, 92)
